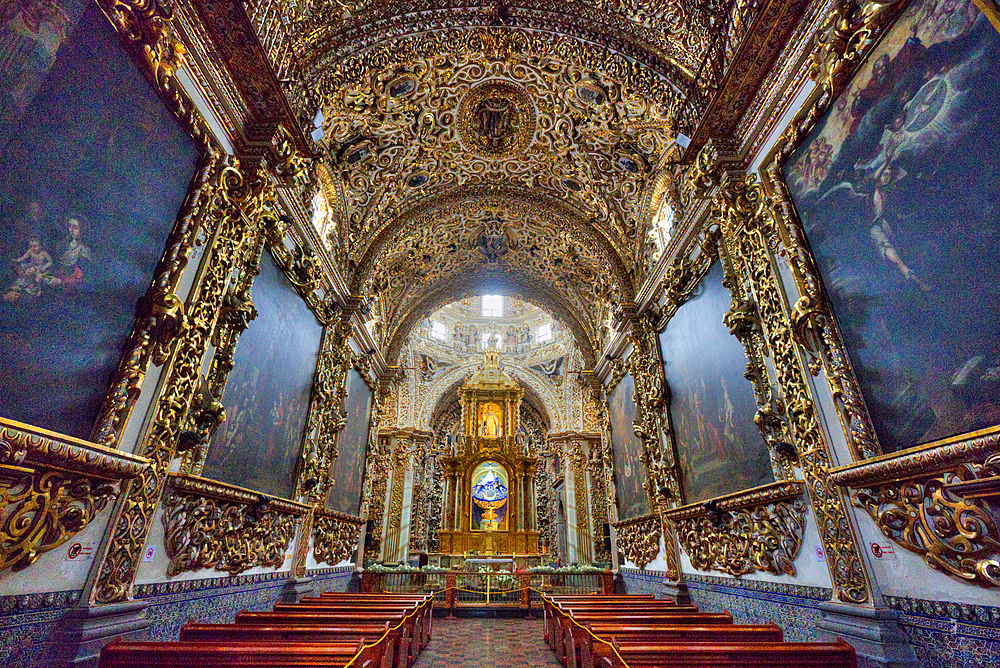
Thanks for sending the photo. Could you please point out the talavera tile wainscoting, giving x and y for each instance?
(27, 622)
(944, 635)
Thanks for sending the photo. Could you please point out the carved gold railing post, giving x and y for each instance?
(235, 199)
(746, 224)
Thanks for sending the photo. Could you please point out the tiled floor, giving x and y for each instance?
(487, 643)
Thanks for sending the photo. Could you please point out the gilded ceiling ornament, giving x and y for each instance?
(496, 120)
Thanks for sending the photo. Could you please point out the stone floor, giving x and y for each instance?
(487, 643)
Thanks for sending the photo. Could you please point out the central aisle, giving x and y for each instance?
(487, 643)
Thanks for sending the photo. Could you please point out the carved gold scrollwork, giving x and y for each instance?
(941, 501)
(747, 221)
(51, 488)
(639, 539)
(212, 525)
(335, 536)
(757, 530)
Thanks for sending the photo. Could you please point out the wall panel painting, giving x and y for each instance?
(630, 473)
(267, 392)
(712, 404)
(94, 170)
(347, 473)
(897, 188)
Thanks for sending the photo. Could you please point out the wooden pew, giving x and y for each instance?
(729, 655)
(580, 652)
(563, 625)
(604, 603)
(369, 633)
(410, 632)
(122, 654)
(357, 611)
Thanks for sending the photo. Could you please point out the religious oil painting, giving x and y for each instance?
(712, 405)
(630, 473)
(348, 470)
(898, 190)
(267, 392)
(489, 497)
(94, 170)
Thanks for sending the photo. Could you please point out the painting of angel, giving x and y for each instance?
(630, 472)
(712, 404)
(900, 210)
(267, 392)
(95, 169)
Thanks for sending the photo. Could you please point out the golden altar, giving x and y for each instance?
(489, 501)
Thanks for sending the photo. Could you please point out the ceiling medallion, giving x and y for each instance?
(496, 120)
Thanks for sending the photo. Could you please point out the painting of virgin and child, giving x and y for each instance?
(267, 392)
(897, 188)
(95, 169)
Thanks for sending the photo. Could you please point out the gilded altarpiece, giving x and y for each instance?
(877, 200)
(490, 471)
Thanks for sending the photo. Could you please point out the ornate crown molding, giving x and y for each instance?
(940, 500)
(214, 525)
(760, 529)
(639, 539)
(51, 488)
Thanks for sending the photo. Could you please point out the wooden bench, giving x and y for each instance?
(185, 654)
(604, 603)
(368, 612)
(580, 652)
(411, 632)
(563, 625)
(728, 655)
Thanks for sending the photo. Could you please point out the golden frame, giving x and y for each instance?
(918, 496)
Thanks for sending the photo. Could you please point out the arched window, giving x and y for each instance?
(661, 228)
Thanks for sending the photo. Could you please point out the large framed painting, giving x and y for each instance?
(94, 170)
(267, 392)
(720, 449)
(897, 188)
(347, 472)
(630, 473)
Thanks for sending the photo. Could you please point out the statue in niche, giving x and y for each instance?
(490, 425)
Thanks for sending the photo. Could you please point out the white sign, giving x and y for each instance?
(883, 551)
(150, 553)
(819, 554)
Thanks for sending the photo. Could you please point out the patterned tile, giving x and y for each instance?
(487, 643)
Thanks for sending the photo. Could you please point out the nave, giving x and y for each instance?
(339, 630)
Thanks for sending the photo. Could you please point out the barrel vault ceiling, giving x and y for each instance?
(514, 147)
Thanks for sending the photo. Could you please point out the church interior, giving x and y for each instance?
(500, 328)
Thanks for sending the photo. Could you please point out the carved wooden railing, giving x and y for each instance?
(760, 529)
(51, 487)
(939, 500)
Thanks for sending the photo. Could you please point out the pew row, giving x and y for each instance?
(727, 655)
